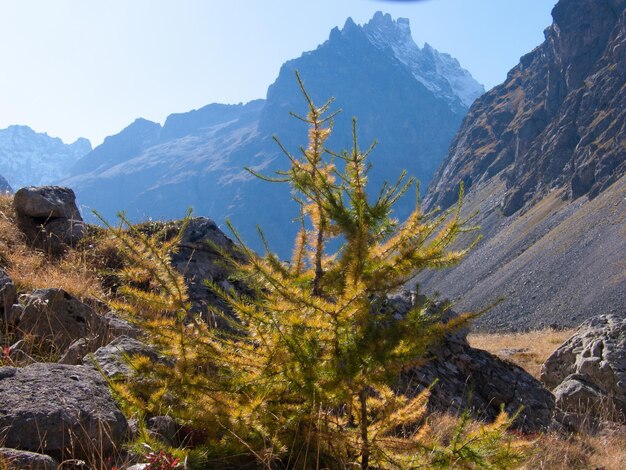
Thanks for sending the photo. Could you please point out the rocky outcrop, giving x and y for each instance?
(8, 293)
(475, 380)
(588, 372)
(5, 187)
(49, 218)
(557, 120)
(24, 460)
(198, 259)
(59, 410)
(543, 162)
(52, 320)
(470, 379)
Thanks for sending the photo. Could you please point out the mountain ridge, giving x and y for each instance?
(198, 158)
(28, 157)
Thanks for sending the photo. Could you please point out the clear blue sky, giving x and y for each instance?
(89, 67)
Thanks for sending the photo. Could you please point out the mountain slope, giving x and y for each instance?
(197, 158)
(31, 158)
(543, 157)
(5, 187)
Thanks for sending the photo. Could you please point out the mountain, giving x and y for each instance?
(5, 187)
(32, 158)
(543, 158)
(411, 99)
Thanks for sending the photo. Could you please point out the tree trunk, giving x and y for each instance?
(365, 445)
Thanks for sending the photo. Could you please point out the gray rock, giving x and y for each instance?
(475, 380)
(60, 410)
(114, 327)
(56, 319)
(165, 429)
(49, 218)
(576, 394)
(117, 326)
(46, 202)
(68, 231)
(24, 460)
(76, 351)
(198, 259)
(7, 292)
(111, 359)
(588, 371)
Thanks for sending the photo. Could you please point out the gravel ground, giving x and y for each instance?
(555, 265)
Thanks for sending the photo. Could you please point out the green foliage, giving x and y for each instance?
(303, 376)
(487, 447)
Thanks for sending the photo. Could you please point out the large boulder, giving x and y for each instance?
(59, 410)
(7, 293)
(471, 379)
(199, 258)
(588, 371)
(54, 319)
(49, 217)
(24, 460)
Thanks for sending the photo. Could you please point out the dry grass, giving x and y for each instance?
(604, 452)
(30, 269)
(527, 350)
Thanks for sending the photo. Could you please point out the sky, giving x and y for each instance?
(88, 68)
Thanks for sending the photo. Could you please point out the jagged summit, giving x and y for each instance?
(543, 161)
(440, 73)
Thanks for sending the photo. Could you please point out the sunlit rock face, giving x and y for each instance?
(543, 159)
(558, 121)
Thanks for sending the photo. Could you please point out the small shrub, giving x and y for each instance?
(304, 374)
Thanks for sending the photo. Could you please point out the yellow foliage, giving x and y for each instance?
(304, 374)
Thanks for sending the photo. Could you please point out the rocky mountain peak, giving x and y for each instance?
(140, 134)
(383, 27)
(440, 73)
(33, 158)
(197, 158)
